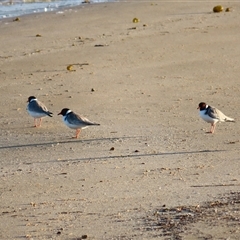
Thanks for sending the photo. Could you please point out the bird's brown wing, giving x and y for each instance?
(79, 120)
(212, 112)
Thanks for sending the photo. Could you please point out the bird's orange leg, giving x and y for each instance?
(212, 128)
(77, 133)
(35, 122)
(40, 122)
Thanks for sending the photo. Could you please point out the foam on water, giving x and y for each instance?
(15, 8)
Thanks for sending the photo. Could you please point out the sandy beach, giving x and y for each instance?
(150, 170)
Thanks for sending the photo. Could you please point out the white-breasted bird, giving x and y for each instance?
(75, 121)
(37, 110)
(212, 115)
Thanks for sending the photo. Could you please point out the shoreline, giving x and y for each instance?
(42, 8)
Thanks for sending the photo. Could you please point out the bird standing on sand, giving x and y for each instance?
(212, 115)
(74, 121)
(37, 110)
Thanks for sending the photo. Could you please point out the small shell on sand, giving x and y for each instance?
(70, 67)
(218, 8)
(135, 20)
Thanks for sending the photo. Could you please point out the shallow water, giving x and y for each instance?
(15, 8)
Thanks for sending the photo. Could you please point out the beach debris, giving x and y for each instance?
(218, 8)
(233, 142)
(136, 20)
(112, 149)
(70, 67)
(100, 45)
(83, 40)
(92, 90)
(173, 221)
(33, 204)
(82, 64)
(38, 35)
(132, 28)
(16, 19)
(86, 1)
(228, 9)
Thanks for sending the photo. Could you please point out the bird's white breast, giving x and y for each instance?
(67, 123)
(207, 118)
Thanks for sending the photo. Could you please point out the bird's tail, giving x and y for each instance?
(49, 114)
(93, 124)
(228, 119)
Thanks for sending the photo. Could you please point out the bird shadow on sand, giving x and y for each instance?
(70, 140)
(132, 156)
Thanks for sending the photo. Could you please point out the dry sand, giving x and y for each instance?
(142, 82)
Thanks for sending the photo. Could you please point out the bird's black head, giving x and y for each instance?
(31, 98)
(64, 111)
(202, 106)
